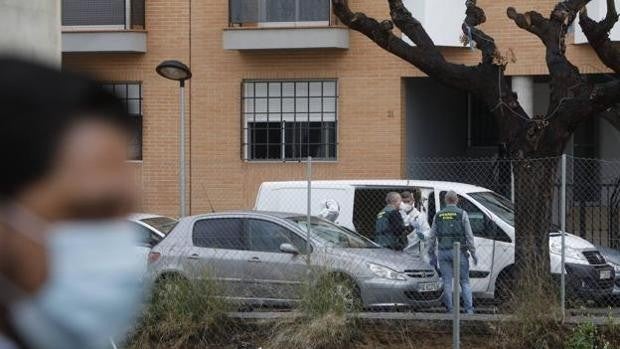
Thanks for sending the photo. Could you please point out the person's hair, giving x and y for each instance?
(406, 195)
(392, 197)
(39, 105)
(451, 197)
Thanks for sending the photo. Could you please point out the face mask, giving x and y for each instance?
(405, 207)
(94, 288)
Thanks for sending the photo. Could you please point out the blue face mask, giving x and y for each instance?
(94, 290)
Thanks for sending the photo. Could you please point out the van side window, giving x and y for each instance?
(219, 233)
(481, 226)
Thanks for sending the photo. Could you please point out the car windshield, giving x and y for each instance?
(497, 204)
(161, 224)
(334, 234)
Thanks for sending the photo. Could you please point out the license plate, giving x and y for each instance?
(429, 286)
(605, 274)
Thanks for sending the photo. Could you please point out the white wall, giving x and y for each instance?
(31, 29)
(442, 19)
(597, 9)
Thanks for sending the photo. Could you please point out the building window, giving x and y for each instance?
(280, 12)
(131, 95)
(290, 120)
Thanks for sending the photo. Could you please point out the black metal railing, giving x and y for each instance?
(116, 14)
(244, 12)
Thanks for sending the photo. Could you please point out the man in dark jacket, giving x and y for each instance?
(390, 229)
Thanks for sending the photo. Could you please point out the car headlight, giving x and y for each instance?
(556, 248)
(385, 272)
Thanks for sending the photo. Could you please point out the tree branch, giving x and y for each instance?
(566, 80)
(425, 57)
(598, 36)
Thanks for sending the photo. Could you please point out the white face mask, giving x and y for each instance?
(406, 207)
(94, 288)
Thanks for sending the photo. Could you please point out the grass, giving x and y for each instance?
(328, 304)
(183, 314)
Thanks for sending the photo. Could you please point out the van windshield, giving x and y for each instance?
(333, 234)
(499, 205)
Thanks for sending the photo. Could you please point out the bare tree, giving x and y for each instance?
(573, 99)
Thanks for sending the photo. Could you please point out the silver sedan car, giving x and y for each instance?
(261, 258)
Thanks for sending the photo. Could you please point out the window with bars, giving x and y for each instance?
(290, 120)
(131, 95)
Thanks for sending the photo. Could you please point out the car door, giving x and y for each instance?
(219, 252)
(272, 273)
(484, 232)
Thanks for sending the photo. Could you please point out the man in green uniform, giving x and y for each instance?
(390, 229)
(451, 225)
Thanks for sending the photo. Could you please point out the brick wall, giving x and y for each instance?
(371, 113)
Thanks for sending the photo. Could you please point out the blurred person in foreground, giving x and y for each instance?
(69, 277)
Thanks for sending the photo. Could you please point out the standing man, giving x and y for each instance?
(451, 225)
(390, 229)
(418, 226)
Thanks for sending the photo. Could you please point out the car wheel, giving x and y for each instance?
(346, 289)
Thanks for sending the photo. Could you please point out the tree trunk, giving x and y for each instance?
(534, 182)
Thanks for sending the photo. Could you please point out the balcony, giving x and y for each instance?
(106, 26)
(283, 24)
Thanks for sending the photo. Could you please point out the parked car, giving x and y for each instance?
(491, 217)
(152, 229)
(612, 256)
(260, 258)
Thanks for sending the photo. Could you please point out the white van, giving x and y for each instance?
(491, 216)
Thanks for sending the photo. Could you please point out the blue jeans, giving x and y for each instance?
(446, 262)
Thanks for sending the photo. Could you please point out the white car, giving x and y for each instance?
(152, 228)
(491, 216)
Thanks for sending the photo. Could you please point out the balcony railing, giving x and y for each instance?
(280, 13)
(103, 14)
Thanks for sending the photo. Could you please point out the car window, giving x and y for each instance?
(147, 237)
(431, 208)
(162, 224)
(222, 233)
(264, 236)
(480, 226)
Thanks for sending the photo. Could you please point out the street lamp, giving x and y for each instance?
(177, 71)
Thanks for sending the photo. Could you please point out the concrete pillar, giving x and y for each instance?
(523, 86)
(31, 29)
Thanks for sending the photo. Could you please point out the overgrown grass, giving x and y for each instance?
(184, 314)
(327, 307)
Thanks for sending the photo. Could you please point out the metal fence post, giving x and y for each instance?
(456, 296)
(563, 232)
(309, 205)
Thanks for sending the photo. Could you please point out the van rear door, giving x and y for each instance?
(370, 200)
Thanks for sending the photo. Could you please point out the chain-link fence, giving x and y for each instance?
(327, 263)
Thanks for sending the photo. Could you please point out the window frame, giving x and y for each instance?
(140, 115)
(246, 145)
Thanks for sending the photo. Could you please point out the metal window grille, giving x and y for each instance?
(289, 120)
(131, 96)
(279, 11)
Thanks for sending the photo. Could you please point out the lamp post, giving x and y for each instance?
(177, 71)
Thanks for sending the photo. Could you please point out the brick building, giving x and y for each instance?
(275, 81)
